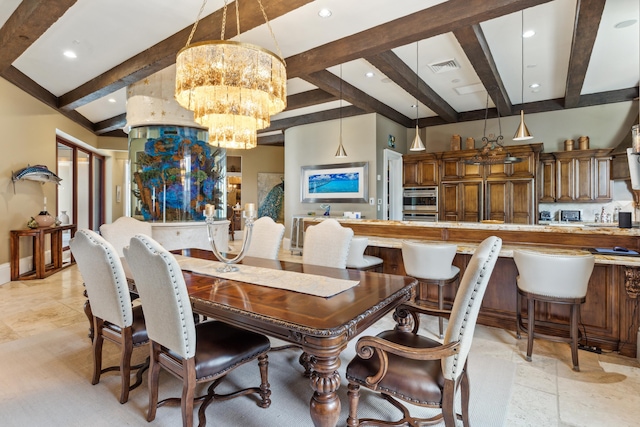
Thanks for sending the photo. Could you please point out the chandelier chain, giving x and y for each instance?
(273, 36)
(195, 25)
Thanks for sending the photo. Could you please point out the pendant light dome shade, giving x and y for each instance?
(522, 133)
(417, 144)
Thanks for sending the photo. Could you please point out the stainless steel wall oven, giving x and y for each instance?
(420, 204)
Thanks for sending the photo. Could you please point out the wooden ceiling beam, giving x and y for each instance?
(395, 69)
(109, 125)
(332, 84)
(163, 54)
(320, 116)
(30, 20)
(585, 30)
(475, 46)
(308, 99)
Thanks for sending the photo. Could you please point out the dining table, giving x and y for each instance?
(321, 326)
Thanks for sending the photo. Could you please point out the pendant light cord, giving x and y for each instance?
(417, 82)
(522, 59)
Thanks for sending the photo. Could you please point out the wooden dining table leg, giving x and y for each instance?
(325, 381)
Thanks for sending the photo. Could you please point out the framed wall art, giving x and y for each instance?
(344, 182)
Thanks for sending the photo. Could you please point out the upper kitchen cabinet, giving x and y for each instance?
(420, 170)
(580, 176)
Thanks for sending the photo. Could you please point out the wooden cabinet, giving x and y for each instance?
(547, 178)
(420, 170)
(580, 176)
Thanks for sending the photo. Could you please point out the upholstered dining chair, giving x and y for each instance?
(403, 365)
(196, 354)
(114, 319)
(431, 263)
(266, 238)
(551, 279)
(356, 258)
(327, 244)
(120, 231)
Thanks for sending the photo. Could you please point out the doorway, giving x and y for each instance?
(392, 187)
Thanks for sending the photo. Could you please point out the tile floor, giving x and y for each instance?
(545, 392)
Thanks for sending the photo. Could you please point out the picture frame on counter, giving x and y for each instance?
(341, 183)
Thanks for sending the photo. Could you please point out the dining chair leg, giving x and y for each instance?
(575, 319)
(354, 397)
(531, 314)
(125, 364)
(448, 403)
(441, 307)
(97, 350)
(154, 373)
(265, 391)
(464, 397)
(188, 391)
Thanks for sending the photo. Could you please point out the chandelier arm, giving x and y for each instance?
(275, 41)
(195, 24)
(237, 18)
(224, 20)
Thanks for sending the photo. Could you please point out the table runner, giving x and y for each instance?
(305, 283)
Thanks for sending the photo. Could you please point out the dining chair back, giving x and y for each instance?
(120, 231)
(200, 353)
(113, 317)
(402, 364)
(327, 244)
(266, 238)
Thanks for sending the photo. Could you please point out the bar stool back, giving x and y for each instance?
(431, 263)
(549, 278)
(356, 258)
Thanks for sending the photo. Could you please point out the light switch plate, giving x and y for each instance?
(372, 201)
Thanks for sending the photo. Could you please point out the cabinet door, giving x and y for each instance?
(497, 201)
(451, 169)
(428, 172)
(584, 179)
(602, 179)
(410, 173)
(565, 180)
(471, 205)
(522, 209)
(450, 202)
(547, 180)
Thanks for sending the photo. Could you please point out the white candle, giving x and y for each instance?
(250, 209)
(209, 209)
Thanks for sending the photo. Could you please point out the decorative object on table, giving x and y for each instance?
(44, 219)
(252, 81)
(583, 142)
(249, 215)
(470, 144)
(38, 173)
(569, 144)
(64, 218)
(327, 209)
(32, 223)
(343, 183)
(456, 142)
(492, 151)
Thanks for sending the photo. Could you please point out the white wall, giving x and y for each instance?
(316, 144)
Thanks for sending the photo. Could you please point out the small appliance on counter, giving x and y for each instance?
(570, 215)
(545, 216)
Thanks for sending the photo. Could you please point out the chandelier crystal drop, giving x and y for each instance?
(233, 88)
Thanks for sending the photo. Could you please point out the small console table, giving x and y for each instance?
(40, 268)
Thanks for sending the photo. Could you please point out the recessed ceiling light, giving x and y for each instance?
(369, 74)
(528, 33)
(324, 13)
(70, 54)
(534, 85)
(111, 100)
(624, 24)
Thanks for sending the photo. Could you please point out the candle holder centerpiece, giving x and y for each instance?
(249, 215)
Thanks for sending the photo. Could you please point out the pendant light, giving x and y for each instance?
(417, 144)
(522, 133)
(341, 153)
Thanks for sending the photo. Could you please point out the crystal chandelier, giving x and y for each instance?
(232, 88)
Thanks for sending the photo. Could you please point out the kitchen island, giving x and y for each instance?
(610, 314)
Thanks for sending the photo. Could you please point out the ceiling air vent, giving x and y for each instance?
(444, 66)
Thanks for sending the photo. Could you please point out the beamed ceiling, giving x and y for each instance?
(584, 53)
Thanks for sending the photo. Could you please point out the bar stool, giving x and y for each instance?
(431, 263)
(356, 258)
(548, 278)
